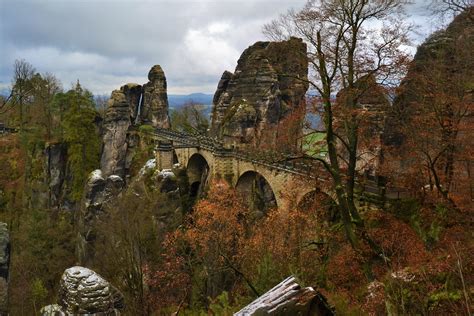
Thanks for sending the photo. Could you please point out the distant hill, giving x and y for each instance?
(178, 100)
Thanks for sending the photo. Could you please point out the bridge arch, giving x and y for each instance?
(319, 202)
(257, 191)
(198, 173)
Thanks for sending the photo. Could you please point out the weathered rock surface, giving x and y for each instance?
(167, 181)
(446, 54)
(120, 115)
(4, 267)
(49, 189)
(103, 192)
(155, 99)
(83, 291)
(373, 99)
(163, 185)
(98, 192)
(269, 83)
(52, 310)
(287, 299)
(56, 169)
(131, 105)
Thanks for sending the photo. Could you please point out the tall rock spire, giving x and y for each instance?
(155, 99)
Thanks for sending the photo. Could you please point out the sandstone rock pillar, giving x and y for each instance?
(155, 99)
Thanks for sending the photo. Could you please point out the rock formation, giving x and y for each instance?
(164, 186)
(446, 54)
(4, 267)
(98, 192)
(82, 291)
(50, 189)
(103, 193)
(155, 99)
(120, 115)
(373, 99)
(56, 169)
(129, 106)
(132, 104)
(269, 83)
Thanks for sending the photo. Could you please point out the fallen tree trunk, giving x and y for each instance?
(288, 298)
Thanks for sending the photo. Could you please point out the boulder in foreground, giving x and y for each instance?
(288, 298)
(84, 292)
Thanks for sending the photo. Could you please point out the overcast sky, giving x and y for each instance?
(106, 43)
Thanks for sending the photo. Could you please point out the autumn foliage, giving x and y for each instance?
(223, 249)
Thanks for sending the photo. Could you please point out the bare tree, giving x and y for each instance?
(447, 9)
(349, 42)
(453, 5)
(21, 87)
(190, 118)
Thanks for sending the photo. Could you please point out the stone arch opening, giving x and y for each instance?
(319, 202)
(198, 174)
(257, 192)
(175, 158)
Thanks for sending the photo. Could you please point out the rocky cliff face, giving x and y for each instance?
(155, 99)
(4, 267)
(130, 105)
(373, 100)
(445, 57)
(121, 112)
(268, 84)
(56, 170)
(98, 192)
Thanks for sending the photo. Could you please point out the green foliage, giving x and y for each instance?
(183, 184)
(267, 273)
(130, 241)
(314, 144)
(428, 226)
(429, 233)
(143, 151)
(438, 298)
(38, 293)
(401, 297)
(221, 306)
(80, 134)
(343, 307)
(47, 248)
(146, 128)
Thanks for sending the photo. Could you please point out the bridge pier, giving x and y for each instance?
(223, 166)
(164, 155)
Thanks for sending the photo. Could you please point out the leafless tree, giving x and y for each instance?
(101, 103)
(446, 9)
(348, 42)
(190, 118)
(21, 87)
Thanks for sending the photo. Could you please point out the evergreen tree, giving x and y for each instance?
(80, 134)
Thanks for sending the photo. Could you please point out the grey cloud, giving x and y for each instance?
(106, 43)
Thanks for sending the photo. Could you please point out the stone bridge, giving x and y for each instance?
(206, 159)
(288, 181)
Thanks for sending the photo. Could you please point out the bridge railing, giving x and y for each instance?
(270, 160)
(216, 145)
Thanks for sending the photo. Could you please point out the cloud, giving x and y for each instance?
(106, 43)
